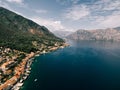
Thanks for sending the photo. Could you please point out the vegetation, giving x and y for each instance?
(17, 32)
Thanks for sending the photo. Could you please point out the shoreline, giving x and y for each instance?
(27, 67)
(18, 74)
(20, 83)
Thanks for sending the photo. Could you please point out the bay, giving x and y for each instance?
(84, 65)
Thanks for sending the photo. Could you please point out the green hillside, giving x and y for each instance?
(19, 33)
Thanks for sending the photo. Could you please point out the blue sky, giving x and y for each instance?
(68, 14)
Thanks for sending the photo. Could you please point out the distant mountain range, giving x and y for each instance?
(117, 28)
(110, 34)
(17, 32)
(62, 33)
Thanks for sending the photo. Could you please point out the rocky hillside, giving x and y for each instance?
(17, 32)
(101, 34)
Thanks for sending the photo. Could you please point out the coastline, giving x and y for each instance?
(19, 72)
(27, 70)
(27, 67)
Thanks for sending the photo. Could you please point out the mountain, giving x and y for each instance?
(62, 34)
(101, 34)
(117, 28)
(17, 32)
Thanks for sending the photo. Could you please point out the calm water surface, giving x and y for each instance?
(82, 66)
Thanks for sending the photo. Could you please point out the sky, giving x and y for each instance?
(68, 15)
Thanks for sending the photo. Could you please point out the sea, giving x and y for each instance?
(84, 65)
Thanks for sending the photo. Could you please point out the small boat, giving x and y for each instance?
(35, 80)
(37, 55)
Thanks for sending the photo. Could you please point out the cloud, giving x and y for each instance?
(8, 6)
(76, 12)
(3, 4)
(41, 11)
(15, 1)
(91, 14)
(109, 4)
(107, 13)
(67, 2)
(51, 24)
(99, 14)
(109, 21)
(74, 1)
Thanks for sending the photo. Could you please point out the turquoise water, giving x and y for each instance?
(84, 65)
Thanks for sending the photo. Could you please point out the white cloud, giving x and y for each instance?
(62, 2)
(99, 14)
(15, 1)
(74, 1)
(7, 6)
(110, 21)
(49, 23)
(76, 12)
(108, 4)
(112, 6)
(67, 2)
(41, 11)
(3, 4)
(106, 13)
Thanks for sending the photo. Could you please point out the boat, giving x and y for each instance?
(35, 80)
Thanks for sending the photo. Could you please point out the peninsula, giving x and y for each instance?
(20, 40)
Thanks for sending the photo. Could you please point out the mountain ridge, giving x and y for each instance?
(109, 34)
